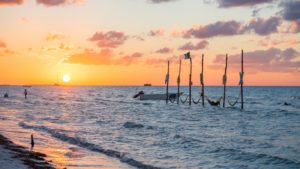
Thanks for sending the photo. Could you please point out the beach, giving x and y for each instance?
(18, 157)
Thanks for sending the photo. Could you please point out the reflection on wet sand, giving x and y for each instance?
(60, 154)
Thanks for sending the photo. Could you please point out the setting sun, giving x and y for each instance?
(66, 78)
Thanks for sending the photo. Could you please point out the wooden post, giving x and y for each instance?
(178, 82)
(242, 67)
(167, 80)
(202, 80)
(224, 81)
(190, 83)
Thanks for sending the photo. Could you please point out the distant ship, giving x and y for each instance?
(147, 84)
(57, 81)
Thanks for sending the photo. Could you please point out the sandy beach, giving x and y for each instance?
(13, 156)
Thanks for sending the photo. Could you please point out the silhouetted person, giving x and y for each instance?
(6, 95)
(32, 142)
(25, 93)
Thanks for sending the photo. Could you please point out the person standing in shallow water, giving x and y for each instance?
(25, 93)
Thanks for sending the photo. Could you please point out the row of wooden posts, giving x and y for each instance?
(202, 81)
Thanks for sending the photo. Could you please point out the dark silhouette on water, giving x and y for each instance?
(6, 95)
(214, 103)
(25, 93)
(138, 94)
(32, 142)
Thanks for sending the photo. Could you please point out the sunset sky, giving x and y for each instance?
(128, 42)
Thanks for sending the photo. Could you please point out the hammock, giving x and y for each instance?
(196, 102)
(233, 103)
(214, 103)
(172, 97)
(183, 101)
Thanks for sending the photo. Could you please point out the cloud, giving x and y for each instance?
(11, 2)
(104, 57)
(164, 50)
(260, 26)
(291, 10)
(268, 42)
(54, 36)
(51, 3)
(4, 50)
(156, 61)
(137, 37)
(156, 32)
(65, 46)
(111, 39)
(295, 26)
(160, 1)
(2, 44)
(162, 61)
(220, 28)
(189, 46)
(128, 59)
(264, 26)
(240, 3)
(89, 57)
(270, 60)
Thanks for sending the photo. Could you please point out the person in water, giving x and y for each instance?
(25, 93)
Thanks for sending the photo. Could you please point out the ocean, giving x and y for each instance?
(78, 126)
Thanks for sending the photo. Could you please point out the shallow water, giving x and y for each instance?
(107, 121)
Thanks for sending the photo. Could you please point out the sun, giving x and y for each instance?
(66, 78)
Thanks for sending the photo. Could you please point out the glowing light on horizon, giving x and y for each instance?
(66, 78)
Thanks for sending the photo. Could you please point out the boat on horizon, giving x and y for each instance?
(147, 84)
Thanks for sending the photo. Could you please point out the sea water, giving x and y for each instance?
(152, 134)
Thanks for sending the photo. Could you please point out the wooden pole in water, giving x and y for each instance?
(224, 81)
(178, 82)
(202, 80)
(190, 83)
(167, 81)
(242, 83)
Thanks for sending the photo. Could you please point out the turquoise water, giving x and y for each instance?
(151, 134)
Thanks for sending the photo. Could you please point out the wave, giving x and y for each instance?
(96, 148)
(132, 125)
(250, 157)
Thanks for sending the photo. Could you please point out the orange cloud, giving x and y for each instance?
(189, 46)
(50, 3)
(270, 60)
(157, 32)
(267, 42)
(2, 44)
(161, 61)
(111, 39)
(10, 2)
(54, 36)
(104, 57)
(164, 50)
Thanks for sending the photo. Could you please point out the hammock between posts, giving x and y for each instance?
(183, 101)
(214, 103)
(172, 98)
(233, 103)
(196, 102)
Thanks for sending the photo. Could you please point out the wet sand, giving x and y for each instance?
(16, 156)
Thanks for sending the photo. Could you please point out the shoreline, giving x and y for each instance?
(31, 159)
